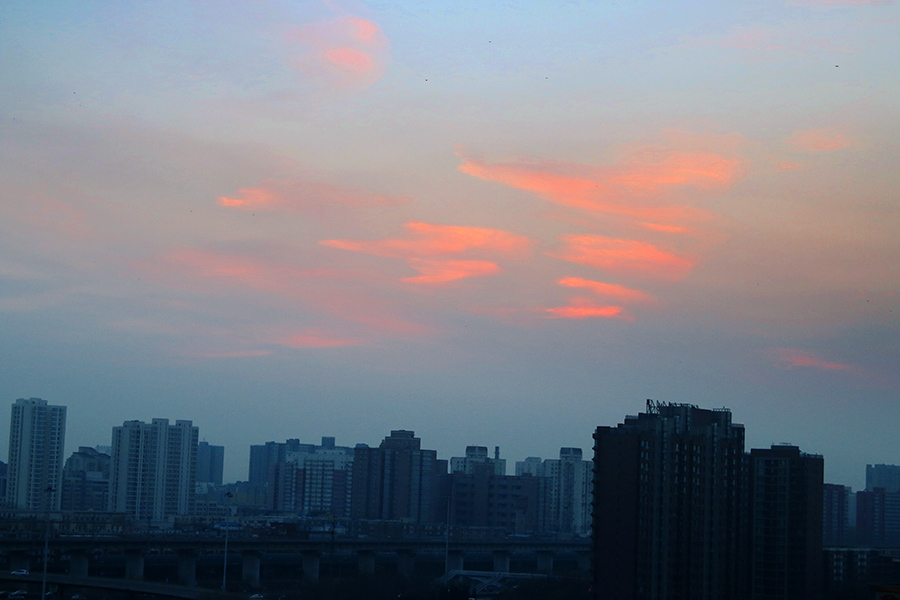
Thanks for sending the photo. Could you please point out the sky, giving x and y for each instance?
(492, 223)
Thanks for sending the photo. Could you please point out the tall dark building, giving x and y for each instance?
(878, 518)
(786, 488)
(670, 506)
(210, 463)
(836, 515)
(86, 481)
(395, 481)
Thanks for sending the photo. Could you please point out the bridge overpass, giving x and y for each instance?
(80, 551)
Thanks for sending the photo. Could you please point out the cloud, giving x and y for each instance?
(445, 271)
(316, 338)
(426, 239)
(622, 256)
(349, 52)
(304, 196)
(635, 188)
(584, 308)
(819, 140)
(606, 290)
(792, 357)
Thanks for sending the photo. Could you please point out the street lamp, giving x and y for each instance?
(49, 491)
(228, 496)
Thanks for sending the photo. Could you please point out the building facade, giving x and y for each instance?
(153, 469)
(210, 463)
(396, 481)
(86, 481)
(312, 481)
(37, 433)
(670, 506)
(786, 488)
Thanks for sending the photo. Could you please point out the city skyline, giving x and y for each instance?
(496, 225)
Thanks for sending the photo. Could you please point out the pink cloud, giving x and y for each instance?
(445, 271)
(350, 52)
(315, 338)
(233, 354)
(628, 257)
(425, 239)
(635, 188)
(606, 290)
(800, 358)
(304, 196)
(583, 308)
(819, 140)
(306, 289)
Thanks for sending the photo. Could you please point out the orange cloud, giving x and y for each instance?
(304, 196)
(607, 290)
(350, 52)
(314, 338)
(581, 308)
(819, 140)
(430, 240)
(445, 271)
(632, 189)
(631, 257)
(800, 358)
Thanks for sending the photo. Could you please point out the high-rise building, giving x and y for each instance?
(478, 455)
(479, 497)
(37, 433)
(312, 481)
(210, 463)
(568, 493)
(878, 518)
(86, 481)
(396, 481)
(836, 529)
(883, 476)
(670, 506)
(153, 471)
(786, 491)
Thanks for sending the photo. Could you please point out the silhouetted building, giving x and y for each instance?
(210, 463)
(883, 476)
(786, 488)
(396, 481)
(478, 455)
(836, 524)
(312, 481)
(482, 498)
(85, 483)
(153, 469)
(670, 506)
(37, 434)
(878, 518)
(262, 458)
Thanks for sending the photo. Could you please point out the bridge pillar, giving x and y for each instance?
(311, 566)
(19, 559)
(366, 562)
(250, 567)
(545, 562)
(501, 561)
(585, 561)
(455, 560)
(406, 563)
(187, 567)
(79, 560)
(134, 564)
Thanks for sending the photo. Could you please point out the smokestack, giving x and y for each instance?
(496, 452)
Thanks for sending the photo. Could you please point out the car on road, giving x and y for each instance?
(20, 572)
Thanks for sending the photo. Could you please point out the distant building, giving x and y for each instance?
(312, 481)
(670, 506)
(396, 481)
(836, 523)
(37, 433)
(153, 469)
(883, 476)
(86, 481)
(475, 456)
(786, 491)
(480, 497)
(878, 518)
(262, 457)
(210, 463)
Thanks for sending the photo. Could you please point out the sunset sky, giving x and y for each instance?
(493, 223)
